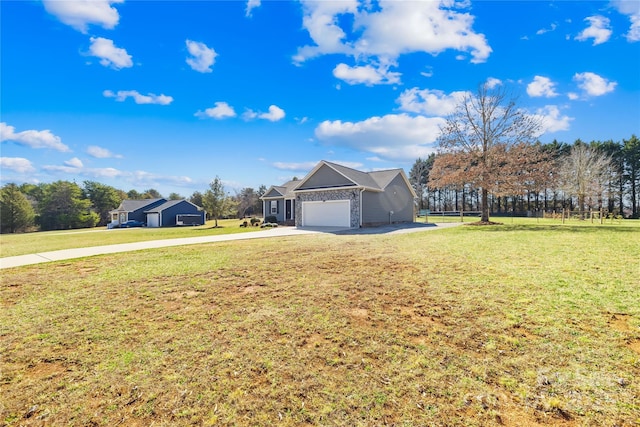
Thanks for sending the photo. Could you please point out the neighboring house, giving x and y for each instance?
(175, 212)
(333, 195)
(157, 213)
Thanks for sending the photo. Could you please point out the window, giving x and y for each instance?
(274, 207)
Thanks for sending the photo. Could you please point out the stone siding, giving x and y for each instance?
(314, 196)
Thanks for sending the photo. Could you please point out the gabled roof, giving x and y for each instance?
(130, 205)
(284, 190)
(373, 181)
(169, 204)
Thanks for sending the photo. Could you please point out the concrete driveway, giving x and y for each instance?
(37, 258)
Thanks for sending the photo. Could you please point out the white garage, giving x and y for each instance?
(330, 213)
(153, 219)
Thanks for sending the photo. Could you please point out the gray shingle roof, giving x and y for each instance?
(130, 205)
(164, 206)
(360, 178)
(376, 180)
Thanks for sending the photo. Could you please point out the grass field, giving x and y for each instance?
(516, 325)
(28, 243)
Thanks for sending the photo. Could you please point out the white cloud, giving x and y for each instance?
(222, 110)
(428, 73)
(32, 138)
(296, 167)
(101, 153)
(275, 113)
(492, 83)
(552, 119)
(392, 137)
(547, 30)
(16, 164)
(138, 98)
(249, 114)
(80, 13)
(573, 96)
(308, 166)
(541, 86)
(598, 30)
(251, 4)
(389, 29)
(429, 102)
(74, 163)
(630, 8)
(109, 54)
(202, 57)
(135, 178)
(368, 75)
(593, 84)
(320, 19)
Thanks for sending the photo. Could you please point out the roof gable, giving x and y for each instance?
(169, 204)
(131, 205)
(328, 175)
(386, 177)
(284, 190)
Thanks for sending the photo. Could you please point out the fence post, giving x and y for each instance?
(601, 211)
(461, 216)
(563, 215)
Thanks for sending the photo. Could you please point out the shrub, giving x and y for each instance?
(272, 219)
(255, 221)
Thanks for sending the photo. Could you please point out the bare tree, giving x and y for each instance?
(584, 172)
(476, 143)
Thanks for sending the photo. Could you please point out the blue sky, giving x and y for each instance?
(169, 94)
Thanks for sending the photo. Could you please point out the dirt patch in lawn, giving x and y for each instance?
(317, 331)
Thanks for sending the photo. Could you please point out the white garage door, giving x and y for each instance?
(332, 213)
(153, 220)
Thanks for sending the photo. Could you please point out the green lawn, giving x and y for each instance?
(27, 243)
(516, 325)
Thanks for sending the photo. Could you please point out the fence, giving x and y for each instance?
(563, 216)
(449, 216)
(594, 216)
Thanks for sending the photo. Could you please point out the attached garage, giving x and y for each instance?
(153, 219)
(329, 213)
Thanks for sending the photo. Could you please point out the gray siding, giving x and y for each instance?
(396, 198)
(326, 177)
(267, 209)
(273, 193)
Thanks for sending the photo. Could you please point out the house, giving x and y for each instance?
(279, 201)
(332, 195)
(175, 212)
(157, 213)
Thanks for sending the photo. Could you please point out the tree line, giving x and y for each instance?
(63, 205)
(489, 160)
(599, 175)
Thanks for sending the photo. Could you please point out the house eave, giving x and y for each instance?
(337, 188)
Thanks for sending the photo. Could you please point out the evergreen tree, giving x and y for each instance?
(103, 198)
(64, 207)
(631, 154)
(16, 212)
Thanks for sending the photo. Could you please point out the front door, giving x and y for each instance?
(289, 209)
